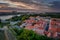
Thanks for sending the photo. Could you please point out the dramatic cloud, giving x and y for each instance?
(56, 4)
(38, 5)
(3, 5)
(25, 1)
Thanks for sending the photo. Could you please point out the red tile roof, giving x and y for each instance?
(54, 26)
(29, 27)
(58, 29)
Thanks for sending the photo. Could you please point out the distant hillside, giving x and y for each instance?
(16, 13)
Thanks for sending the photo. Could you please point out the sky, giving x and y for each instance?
(30, 5)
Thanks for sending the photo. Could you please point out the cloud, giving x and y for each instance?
(3, 5)
(38, 5)
(20, 5)
(24, 1)
(56, 4)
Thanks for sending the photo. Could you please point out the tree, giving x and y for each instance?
(0, 20)
(1, 24)
(25, 34)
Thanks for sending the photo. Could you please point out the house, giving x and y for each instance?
(44, 26)
(37, 26)
(54, 28)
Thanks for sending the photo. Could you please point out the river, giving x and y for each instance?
(7, 16)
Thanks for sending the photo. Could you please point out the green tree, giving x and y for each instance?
(25, 34)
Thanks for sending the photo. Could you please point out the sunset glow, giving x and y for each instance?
(40, 5)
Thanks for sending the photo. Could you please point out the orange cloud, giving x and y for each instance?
(0, 6)
(5, 10)
(20, 4)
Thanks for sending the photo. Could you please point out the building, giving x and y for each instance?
(54, 28)
(37, 24)
(44, 26)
